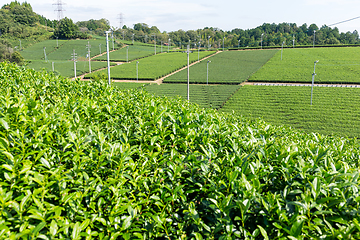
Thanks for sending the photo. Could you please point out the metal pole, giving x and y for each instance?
(188, 73)
(20, 44)
(314, 39)
(169, 45)
(137, 72)
(199, 52)
(223, 43)
(239, 44)
(293, 41)
(53, 67)
(207, 73)
(208, 42)
(155, 43)
(88, 47)
(74, 58)
(108, 55)
(161, 46)
(262, 39)
(127, 53)
(312, 83)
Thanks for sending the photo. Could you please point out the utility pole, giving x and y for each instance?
(74, 56)
(112, 36)
(223, 43)
(59, 9)
(20, 44)
(199, 52)
(314, 39)
(188, 72)
(208, 42)
(88, 46)
(108, 55)
(161, 46)
(127, 53)
(53, 67)
(155, 43)
(145, 38)
(293, 41)
(45, 55)
(169, 45)
(262, 39)
(312, 82)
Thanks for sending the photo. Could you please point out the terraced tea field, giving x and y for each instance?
(154, 67)
(336, 65)
(36, 51)
(230, 67)
(207, 96)
(129, 53)
(66, 68)
(334, 110)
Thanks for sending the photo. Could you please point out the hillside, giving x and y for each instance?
(81, 160)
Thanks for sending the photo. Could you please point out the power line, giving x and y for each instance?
(343, 21)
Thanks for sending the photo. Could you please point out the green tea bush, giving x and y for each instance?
(81, 160)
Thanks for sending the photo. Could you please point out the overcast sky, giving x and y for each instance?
(173, 15)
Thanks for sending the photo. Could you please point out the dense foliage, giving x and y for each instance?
(270, 34)
(80, 160)
(97, 27)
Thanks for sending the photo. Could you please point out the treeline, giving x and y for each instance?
(265, 35)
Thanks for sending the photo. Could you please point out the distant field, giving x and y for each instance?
(225, 67)
(65, 51)
(134, 52)
(128, 85)
(334, 110)
(336, 65)
(207, 96)
(36, 51)
(153, 67)
(66, 68)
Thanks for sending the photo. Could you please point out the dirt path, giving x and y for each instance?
(300, 84)
(158, 81)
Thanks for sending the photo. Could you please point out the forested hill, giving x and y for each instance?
(270, 34)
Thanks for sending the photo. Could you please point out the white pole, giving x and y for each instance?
(53, 68)
(137, 71)
(314, 39)
(108, 55)
(188, 73)
(155, 43)
(112, 36)
(88, 47)
(207, 73)
(262, 39)
(199, 52)
(74, 58)
(223, 43)
(169, 45)
(161, 46)
(239, 44)
(20, 44)
(293, 41)
(312, 83)
(127, 53)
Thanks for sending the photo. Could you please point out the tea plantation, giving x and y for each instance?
(336, 65)
(81, 160)
(333, 110)
(231, 67)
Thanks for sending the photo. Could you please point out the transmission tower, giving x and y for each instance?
(121, 18)
(59, 9)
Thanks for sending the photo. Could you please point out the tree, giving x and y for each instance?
(66, 29)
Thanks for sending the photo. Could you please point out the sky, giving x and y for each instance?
(172, 15)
